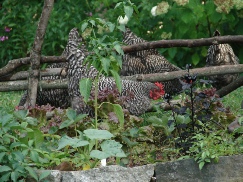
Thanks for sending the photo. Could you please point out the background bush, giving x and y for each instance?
(184, 20)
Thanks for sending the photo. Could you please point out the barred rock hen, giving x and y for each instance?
(136, 105)
(221, 54)
(146, 62)
(54, 97)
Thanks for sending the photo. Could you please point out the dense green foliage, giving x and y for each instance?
(177, 20)
(29, 140)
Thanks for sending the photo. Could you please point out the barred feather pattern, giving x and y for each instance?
(54, 97)
(221, 54)
(136, 105)
(146, 62)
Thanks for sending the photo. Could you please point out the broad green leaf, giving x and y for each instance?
(2, 154)
(119, 113)
(99, 154)
(32, 173)
(2, 148)
(195, 59)
(84, 26)
(4, 168)
(129, 142)
(79, 117)
(201, 164)
(5, 177)
(180, 119)
(34, 156)
(44, 174)
(85, 88)
(113, 148)
(118, 49)
(92, 22)
(73, 142)
(71, 114)
(118, 80)
(105, 64)
(14, 176)
(128, 11)
(5, 119)
(118, 4)
(66, 123)
(97, 134)
(111, 26)
(122, 27)
(21, 114)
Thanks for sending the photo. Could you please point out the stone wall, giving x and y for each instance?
(229, 169)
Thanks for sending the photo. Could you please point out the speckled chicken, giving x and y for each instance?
(54, 97)
(221, 54)
(146, 62)
(136, 105)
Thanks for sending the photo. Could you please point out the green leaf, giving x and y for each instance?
(129, 142)
(4, 169)
(73, 142)
(201, 164)
(44, 174)
(121, 27)
(85, 88)
(119, 113)
(111, 26)
(38, 138)
(21, 114)
(84, 26)
(99, 154)
(34, 156)
(14, 176)
(66, 123)
(71, 114)
(32, 173)
(195, 59)
(92, 22)
(5, 119)
(80, 117)
(5, 177)
(113, 148)
(128, 11)
(2, 154)
(97, 134)
(105, 64)
(119, 49)
(117, 78)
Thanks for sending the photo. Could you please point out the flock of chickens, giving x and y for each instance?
(140, 62)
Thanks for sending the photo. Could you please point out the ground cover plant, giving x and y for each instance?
(195, 128)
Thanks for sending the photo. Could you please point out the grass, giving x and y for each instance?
(9, 100)
(233, 100)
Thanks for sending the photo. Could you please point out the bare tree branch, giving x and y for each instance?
(22, 75)
(206, 71)
(231, 87)
(35, 54)
(23, 85)
(183, 43)
(16, 63)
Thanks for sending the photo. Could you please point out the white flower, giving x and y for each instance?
(122, 20)
(153, 10)
(103, 162)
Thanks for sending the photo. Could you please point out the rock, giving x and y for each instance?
(229, 169)
(112, 173)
